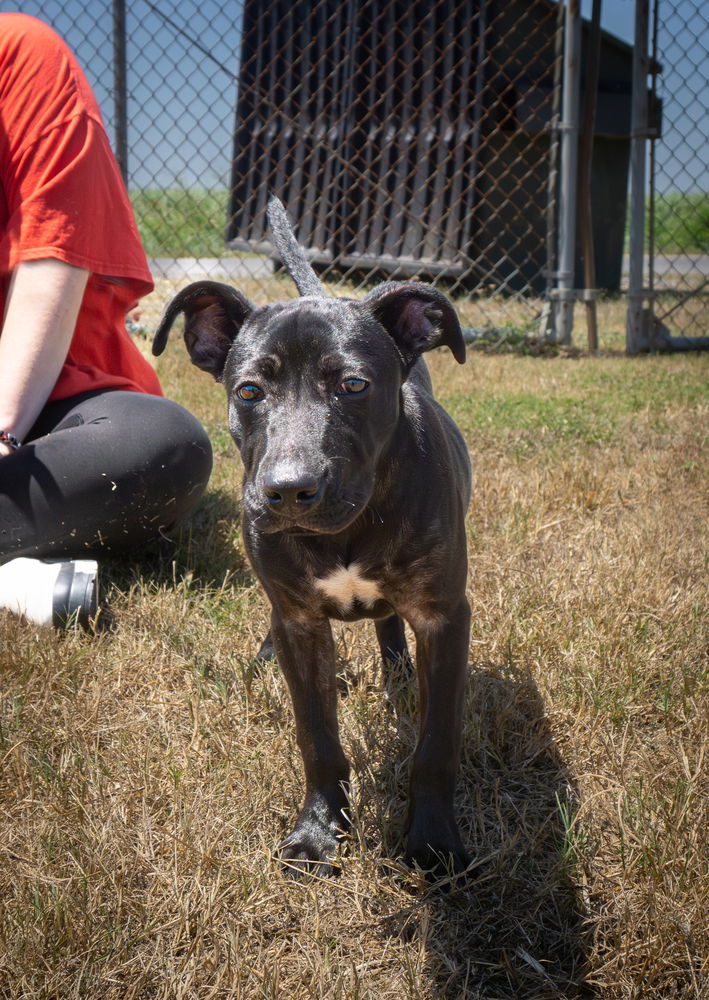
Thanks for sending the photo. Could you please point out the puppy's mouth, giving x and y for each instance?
(330, 516)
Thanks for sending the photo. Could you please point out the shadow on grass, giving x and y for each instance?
(203, 548)
(517, 930)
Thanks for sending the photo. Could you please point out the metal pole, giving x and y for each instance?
(654, 68)
(586, 162)
(569, 127)
(637, 333)
(548, 317)
(120, 96)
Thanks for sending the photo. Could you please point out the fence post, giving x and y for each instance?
(639, 317)
(585, 167)
(548, 317)
(120, 97)
(564, 294)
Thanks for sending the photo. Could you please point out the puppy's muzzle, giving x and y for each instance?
(290, 493)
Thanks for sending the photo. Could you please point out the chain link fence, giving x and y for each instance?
(404, 137)
(407, 139)
(678, 230)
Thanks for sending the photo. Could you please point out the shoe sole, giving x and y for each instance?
(75, 596)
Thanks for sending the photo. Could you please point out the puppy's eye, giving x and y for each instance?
(249, 393)
(350, 386)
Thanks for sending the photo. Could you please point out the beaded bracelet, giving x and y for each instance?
(7, 438)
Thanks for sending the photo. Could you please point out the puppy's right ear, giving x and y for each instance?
(214, 314)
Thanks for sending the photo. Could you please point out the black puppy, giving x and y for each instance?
(355, 492)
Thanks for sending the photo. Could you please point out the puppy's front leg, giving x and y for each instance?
(306, 653)
(442, 659)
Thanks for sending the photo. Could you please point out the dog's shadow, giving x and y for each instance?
(516, 930)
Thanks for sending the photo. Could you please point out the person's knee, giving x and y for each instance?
(165, 447)
(182, 463)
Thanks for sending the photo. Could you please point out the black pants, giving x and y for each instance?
(103, 471)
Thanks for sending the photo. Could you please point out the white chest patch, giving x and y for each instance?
(346, 585)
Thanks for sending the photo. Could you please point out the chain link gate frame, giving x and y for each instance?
(679, 172)
(442, 166)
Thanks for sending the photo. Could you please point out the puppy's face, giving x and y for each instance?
(313, 388)
(314, 393)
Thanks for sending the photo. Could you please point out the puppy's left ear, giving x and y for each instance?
(417, 317)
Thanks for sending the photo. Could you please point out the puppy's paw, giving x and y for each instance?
(436, 848)
(310, 850)
(441, 863)
(313, 846)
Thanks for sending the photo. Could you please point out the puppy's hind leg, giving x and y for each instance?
(396, 659)
(267, 651)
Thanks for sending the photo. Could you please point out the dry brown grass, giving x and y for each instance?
(148, 772)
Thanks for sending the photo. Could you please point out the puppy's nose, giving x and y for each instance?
(293, 491)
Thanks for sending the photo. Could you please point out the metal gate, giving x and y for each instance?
(679, 172)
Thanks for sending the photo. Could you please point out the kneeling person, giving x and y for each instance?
(93, 458)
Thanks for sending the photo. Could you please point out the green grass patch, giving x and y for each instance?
(682, 223)
(590, 405)
(179, 222)
(655, 388)
(524, 412)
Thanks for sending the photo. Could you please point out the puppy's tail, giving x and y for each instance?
(294, 260)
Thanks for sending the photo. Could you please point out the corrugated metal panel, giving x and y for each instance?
(402, 137)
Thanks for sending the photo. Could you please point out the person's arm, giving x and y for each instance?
(43, 303)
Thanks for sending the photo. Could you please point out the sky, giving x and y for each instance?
(683, 50)
(182, 99)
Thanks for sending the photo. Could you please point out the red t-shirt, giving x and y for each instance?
(62, 196)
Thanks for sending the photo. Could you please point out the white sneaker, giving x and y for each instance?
(50, 591)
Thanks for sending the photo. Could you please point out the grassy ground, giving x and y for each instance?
(147, 773)
(682, 223)
(179, 222)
